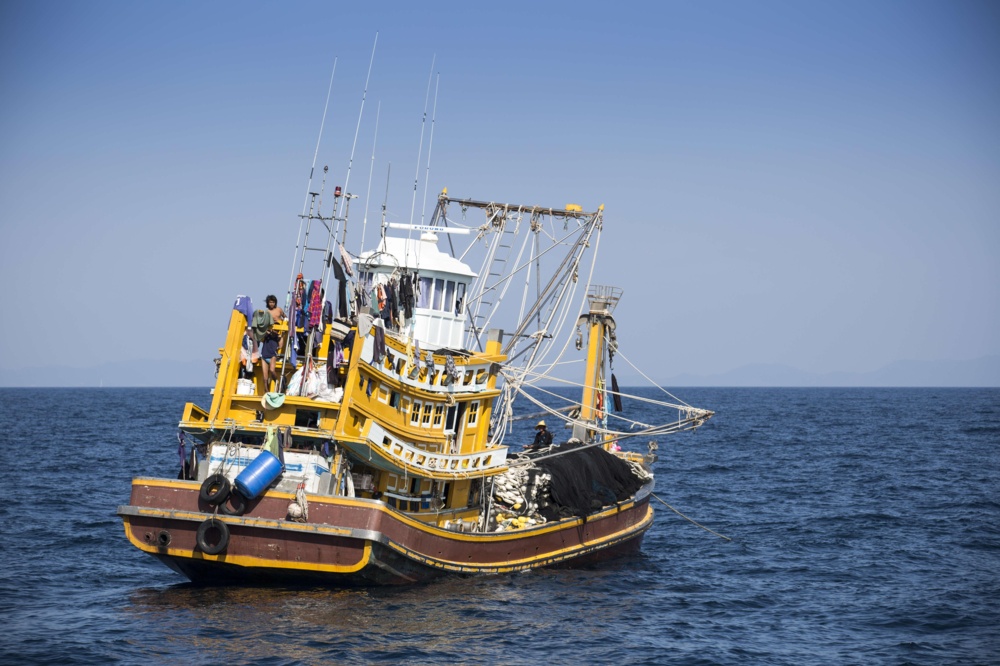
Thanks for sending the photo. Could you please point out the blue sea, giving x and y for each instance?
(864, 527)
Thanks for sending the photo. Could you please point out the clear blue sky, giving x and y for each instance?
(813, 184)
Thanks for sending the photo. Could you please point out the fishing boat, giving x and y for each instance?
(381, 450)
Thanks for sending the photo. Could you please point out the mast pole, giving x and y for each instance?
(338, 206)
(430, 147)
(371, 171)
(305, 204)
(420, 152)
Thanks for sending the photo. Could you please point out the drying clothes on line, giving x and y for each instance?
(378, 350)
(261, 324)
(391, 296)
(246, 354)
(271, 444)
(245, 305)
(315, 304)
(616, 394)
(299, 303)
(334, 359)
(406, 294)
(450, 369)
(364, 324)
(379, 297)
(285, 442)
(341, 278)
(361, 296)
(346, 258)
(343, 304)
(328, 313)
(408, 366)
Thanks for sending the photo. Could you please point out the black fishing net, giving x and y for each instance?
(585, 480)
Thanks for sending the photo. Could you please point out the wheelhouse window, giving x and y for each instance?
(426, 291)
(460, 298)
(438, 293)
(449, 296)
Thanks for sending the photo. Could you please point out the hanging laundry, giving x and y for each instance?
(315, 304)
(327, 312)
(246, 353)
(285, 442)
(378, 350)
(271, 443)
(450, 369)
(182, 454)
(261, 324)
(341, 278)
(361, 296)
(364, 324)
(379, 297)
(245, 305)
(406, 294)
(300, 303)
(408, 366)
(392, 302)
(615, 393)
(334, 359)
(346, 258)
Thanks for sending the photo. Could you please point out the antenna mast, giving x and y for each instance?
(430, 146)
(305, 203)
(371, 171)
(338, 214)
(420, 153)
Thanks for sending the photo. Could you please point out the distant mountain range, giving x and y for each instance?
(983, 371)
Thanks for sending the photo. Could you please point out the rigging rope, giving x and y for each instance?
(694, 522)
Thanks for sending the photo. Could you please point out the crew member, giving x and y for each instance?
(543, 438)
(269, 350)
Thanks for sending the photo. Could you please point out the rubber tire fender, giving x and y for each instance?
(203, 529)
(215, 489)
(239, 502)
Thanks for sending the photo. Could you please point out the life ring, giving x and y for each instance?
(215, 489)
(238, 502)
(203, 531)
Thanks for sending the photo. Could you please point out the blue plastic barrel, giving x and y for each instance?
(258, 475)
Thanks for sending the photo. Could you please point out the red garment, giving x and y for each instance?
(315, 304)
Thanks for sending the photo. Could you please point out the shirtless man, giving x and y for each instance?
(277, 314)
(269, 351)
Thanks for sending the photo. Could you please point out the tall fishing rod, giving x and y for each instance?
(371, 171)
(312, 170)
(338, 211)
(430, 147)
(385, 203)
(420, 153)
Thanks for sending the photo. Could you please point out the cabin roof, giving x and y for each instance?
(421, 254)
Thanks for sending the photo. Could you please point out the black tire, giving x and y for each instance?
(238, 502)
(215, 489)
(204, 531)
